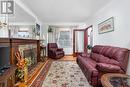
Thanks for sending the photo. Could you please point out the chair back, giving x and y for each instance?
(52, 45)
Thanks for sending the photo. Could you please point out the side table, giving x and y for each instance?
(7, 79)
(43, 53)
(115, 80)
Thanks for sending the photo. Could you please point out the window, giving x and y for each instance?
(64, 40)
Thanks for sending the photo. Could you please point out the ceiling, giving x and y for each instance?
(57, 11)
(21, 16)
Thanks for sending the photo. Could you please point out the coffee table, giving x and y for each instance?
(115, 80)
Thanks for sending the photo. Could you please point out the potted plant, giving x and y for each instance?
(50, 29)
(89, 48)
(22, 67)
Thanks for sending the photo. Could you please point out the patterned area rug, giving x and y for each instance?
(65, 74)
(40, 78)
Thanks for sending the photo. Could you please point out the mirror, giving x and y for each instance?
(22, 24)
(19, 25)
(3, 26)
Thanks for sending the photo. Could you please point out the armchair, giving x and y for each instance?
(54, 51)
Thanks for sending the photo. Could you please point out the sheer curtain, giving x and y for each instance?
(90, 36)
(64, 40)
(79, 41)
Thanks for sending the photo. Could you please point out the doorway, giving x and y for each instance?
(78, 41)
(81, 39)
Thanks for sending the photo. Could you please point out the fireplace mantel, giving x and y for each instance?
(14, 43)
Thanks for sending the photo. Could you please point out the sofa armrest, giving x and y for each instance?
(85, 55)
(52, 49)
(92, 71)
(108, 67)
(60, 49)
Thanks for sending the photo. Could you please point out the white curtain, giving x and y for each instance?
(79, 41)
(64, 39)
(90, 36)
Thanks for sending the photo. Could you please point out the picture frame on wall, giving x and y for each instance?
(37, 29)
(106, 26)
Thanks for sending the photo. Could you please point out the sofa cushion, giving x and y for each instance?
(114, 62)
(97, 49)
(86, 61)
(95, 56)
(102, 59)
(108, 68)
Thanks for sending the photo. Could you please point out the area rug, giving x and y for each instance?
(40, 78)
(65, 74)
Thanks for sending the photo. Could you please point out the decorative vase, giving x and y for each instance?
(25, 74)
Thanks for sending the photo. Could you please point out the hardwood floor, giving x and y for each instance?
(68, 58)
(32, 75)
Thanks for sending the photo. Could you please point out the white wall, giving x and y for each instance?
(119, 9)
(44, 31)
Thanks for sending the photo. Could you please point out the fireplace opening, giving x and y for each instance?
(31, 55)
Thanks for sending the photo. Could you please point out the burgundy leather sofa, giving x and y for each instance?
(103, 59)
(54, 51)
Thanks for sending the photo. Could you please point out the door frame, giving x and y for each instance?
(85, 39)
(74, 31)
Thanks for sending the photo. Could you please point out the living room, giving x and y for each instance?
(78, 28)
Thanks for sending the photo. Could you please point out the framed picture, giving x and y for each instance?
(106, 26)
(37, 29)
